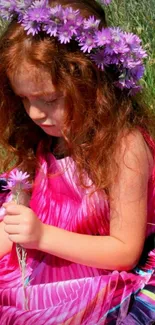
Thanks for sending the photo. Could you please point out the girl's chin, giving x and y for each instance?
(53, 132)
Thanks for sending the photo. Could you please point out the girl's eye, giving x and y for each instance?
(50, 102)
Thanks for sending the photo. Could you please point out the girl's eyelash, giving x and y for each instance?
(49, 102)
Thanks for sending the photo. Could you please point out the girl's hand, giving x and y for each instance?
(22, 225)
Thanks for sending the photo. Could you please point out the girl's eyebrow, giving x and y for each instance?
(40, 94)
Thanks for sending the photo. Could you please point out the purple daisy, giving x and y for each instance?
(70, 15)
(32, 27)
(137, 72)
(39, 15)
(17, 179)
(100, 59)
(54, 22)
(103, 37)
(65, 34)
(8, 9)
(87, 43)
(39, 3)
(91, 23)
(51, 28)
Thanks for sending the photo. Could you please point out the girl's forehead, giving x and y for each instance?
(28, 71)
(28, 78)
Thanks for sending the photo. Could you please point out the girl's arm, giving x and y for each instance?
(120, 250)
(128, 202)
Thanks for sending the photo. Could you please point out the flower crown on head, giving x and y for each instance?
(107, 47)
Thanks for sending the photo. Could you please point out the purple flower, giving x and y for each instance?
(22, 5)
(32, 27)
(55, 21)
(114, 59)
(65, 34)
(39, 15)
(105, 2)
(103, 37)
(18, 175)
(116, 34)
(120, 48)
(140, 53)
(86, 38)
(51, 28)
(56, 13)
(132, 40)
(39, 3)
(7, 8)
(7, 3)
(34, 18)
(87, 43)
(86, 34)
(70, 15)
(101, 59)
(17, 180)
(137, 72)
(91, 23)
(130, 61)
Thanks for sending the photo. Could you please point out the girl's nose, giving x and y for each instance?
(36, 113)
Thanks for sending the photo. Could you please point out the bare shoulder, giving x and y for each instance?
(129, 193)
(134, 152)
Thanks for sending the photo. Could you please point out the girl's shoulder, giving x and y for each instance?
(136, 145)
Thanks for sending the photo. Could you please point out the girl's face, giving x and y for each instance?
(44, 105)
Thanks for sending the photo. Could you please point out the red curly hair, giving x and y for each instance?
(96, 112)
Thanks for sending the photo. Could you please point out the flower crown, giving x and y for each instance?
(107, 47)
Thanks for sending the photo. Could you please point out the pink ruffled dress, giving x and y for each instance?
(62, 292)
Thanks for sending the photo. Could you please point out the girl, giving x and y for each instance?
(75, 128)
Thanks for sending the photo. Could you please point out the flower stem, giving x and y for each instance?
(21, 255)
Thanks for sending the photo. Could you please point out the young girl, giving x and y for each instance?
(68, 118)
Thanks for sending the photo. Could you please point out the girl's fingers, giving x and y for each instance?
(12, 220)
(15, 238)
(12, 229)
(12, 208)
(5, 204)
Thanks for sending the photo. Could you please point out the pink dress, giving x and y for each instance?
(62, 292)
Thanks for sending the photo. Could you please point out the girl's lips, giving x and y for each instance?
(46, 126)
